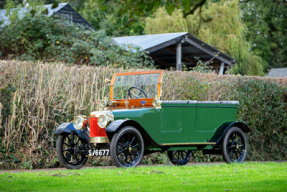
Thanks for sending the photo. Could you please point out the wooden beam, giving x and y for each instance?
(159, 60)
(197, 54)
(164, 57)
(183, 56)
(208, 51)
(163, 45)
(183, 45)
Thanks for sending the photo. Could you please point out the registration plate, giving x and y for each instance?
(99, 152)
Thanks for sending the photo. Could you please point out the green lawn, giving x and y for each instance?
(214, 177)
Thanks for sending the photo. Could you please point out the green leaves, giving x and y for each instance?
(110, 16)
(45, 38)
(267, 29)
(186, 5)
(170, 8)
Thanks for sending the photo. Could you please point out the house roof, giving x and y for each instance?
(163, 46)
(278, 72)
(23, 10)
(62, 8)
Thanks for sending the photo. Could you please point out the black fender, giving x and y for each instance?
(116, 125)
(69, 128)
(221, 131)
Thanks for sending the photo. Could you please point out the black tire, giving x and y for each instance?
(127, 147)
(179, 157)
(234, 145)
(66, 145)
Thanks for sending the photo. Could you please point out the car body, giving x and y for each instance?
(134, 122)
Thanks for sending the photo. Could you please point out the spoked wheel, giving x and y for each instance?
(127, 147)
(181, 157)
(69, 147)
(234, 145)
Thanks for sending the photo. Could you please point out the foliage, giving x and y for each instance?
(13, 15)
(254, 32)
(266, 22)
(218, 177)
(140, 8)
(226, 32)
(52, 38)
(162, 22)
(37, 97)
(266, 113)
(110, 19)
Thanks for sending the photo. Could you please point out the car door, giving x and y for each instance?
(188, 120)
(177, 121)
(206, 119)
(170, 117)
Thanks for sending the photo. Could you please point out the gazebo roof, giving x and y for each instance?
(162, 48)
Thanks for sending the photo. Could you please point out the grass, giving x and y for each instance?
(214, 177)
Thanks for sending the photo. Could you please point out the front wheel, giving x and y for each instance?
(69, 147)
(179, 157)
(127, 147)
(234, 146)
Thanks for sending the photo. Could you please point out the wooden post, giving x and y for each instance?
(228, 70)
(221, 69)
(178, 56)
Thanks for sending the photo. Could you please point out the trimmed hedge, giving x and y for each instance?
(37, 97)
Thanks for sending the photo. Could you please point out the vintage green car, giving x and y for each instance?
(134, 122)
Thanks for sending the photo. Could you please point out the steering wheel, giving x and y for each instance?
(133, 94)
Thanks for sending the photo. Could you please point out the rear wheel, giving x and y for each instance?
(127, 147)
(179, 157)
(68, 151)
(234, 145)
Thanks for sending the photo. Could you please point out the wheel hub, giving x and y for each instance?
(128, 149)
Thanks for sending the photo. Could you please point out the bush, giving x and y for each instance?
(38, 97)
(51, 38)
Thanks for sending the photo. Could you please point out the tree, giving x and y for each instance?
(140, 7)
(267, 29)
(109, 18)
(226, 32)
(125, 17)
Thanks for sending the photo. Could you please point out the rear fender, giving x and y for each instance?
(68, 128)
(217, 137)
(118, 124)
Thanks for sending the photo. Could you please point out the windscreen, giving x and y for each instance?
(135, 86)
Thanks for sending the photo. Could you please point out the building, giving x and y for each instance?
(64, 9)
(177, 49)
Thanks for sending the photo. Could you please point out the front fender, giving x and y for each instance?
(112, 127)
(69, 128)
(225, 127)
